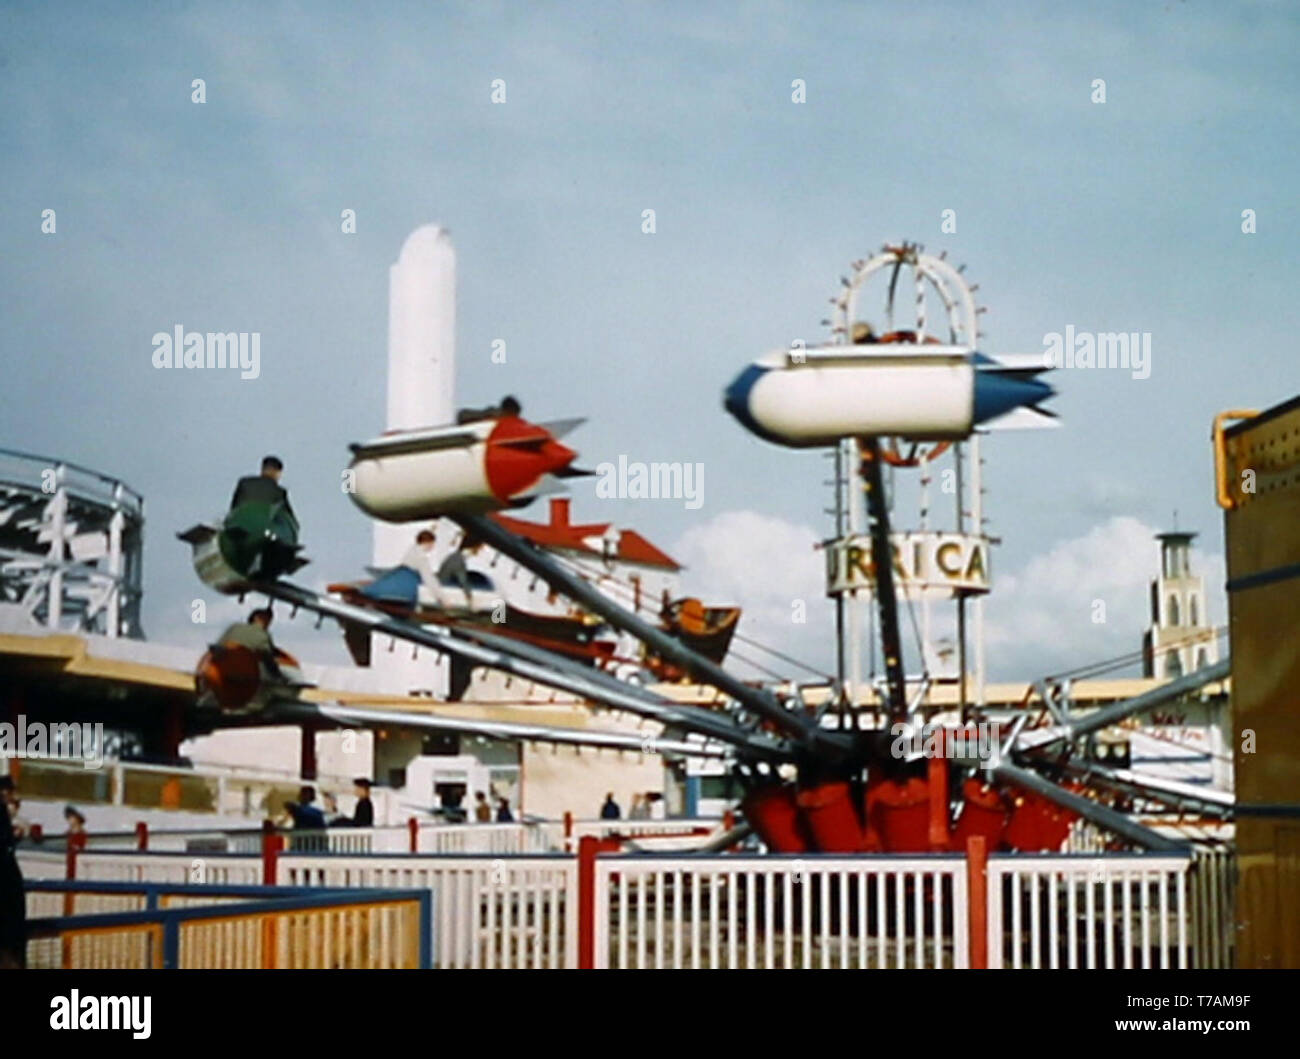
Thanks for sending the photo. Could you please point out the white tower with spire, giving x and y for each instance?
(1180, 638)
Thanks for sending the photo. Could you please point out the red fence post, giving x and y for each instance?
(588, 846)
(568, 829)
(413, 828)
(271, 843)
(142, 836)
(977, 902)
(76, 842)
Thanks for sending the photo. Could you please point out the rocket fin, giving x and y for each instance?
(198, 533)
(1030, 417)
(547, 485)
(559, 428)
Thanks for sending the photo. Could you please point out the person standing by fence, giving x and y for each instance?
(610, 810)
(364, 814)
(13, 901)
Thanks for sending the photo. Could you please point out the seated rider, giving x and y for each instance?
(863, 335)
(453, 570)
(254, 635)
(508, 407)
(402, 584)
(263, 488)
(417, 559)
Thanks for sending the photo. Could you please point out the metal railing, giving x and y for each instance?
(1213, 897)
(493, 912)
(541, 837)
(30, 470)
(1079, 910)
(125, 925)
(179, 869)
(605, 908)
(551, 836)
(781, 912)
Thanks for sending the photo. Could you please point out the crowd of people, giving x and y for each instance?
(305, 815)
(648, 806)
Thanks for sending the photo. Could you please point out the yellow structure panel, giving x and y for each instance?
(1259, 485)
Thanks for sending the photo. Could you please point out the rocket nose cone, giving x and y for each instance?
(735, 398)
(997, 393)
(556, 457)
(519, 454)
(738, 399)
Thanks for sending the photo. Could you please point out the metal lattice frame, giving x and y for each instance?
(71, 546)
(962, 322)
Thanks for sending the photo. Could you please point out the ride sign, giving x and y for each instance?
(930, 562)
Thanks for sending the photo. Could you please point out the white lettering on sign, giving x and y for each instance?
(940, 564)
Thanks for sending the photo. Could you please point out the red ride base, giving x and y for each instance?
(902, 815)
(985, 814)
(831, 817)
(1037, 825)
(774, 815)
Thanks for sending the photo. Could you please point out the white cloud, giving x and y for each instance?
(766, 565)
(1042, 617)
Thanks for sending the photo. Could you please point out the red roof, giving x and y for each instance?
(562, 534)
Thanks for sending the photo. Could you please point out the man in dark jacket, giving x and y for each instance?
(13, 902)
(264, 488)
(364, 814)
(610, 810)
(306, 817)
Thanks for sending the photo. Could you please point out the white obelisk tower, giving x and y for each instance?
(421, 393)
(421, 353)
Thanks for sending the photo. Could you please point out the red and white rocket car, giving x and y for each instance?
(462, 469)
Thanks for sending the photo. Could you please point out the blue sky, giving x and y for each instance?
(225, 216)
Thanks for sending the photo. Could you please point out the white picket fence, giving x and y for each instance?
(1110, 911)
(726, 910)
(490, 912)
(1075, 910)
(547, 837)
(781, 912)
(212, 869)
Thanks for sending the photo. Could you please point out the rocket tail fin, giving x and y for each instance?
(1031, 417)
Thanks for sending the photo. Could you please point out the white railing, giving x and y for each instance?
(663, 910)
(549, 836)
(779, 911)
(490, 912)
(249, 840)
(180, 868)
(38, 864)
(545, 837)
(352, 840)
(1214, 906)
(1071, 910)
(645, 828)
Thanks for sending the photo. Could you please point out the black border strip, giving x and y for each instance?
(1264, 577)
(1266, 809)
(1263, 417)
